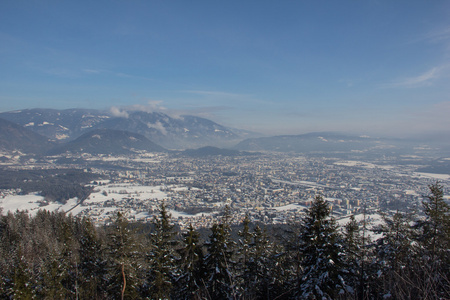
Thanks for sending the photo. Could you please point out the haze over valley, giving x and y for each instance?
(197, 167)
(224, 149)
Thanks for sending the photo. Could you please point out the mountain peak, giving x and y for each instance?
(171, 132)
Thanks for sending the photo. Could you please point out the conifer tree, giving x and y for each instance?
(436, 226)
(190, 282)
(266, 265)
(245, 260)
(396, 255)
(54, 272)
(23, 285)
(162, 256)
(219, 261)
(123, 254)
(434, 239)
(59, 267)
(321, 251)
(92, 265)
(353, 243)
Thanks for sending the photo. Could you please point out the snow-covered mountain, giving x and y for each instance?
(108, 141)
(14, 137)
(170, 132)
(326, 142)
(55, 124)
(182, 132)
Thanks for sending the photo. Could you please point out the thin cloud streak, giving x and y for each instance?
(209, 112)
(117, 74)
(425, 79)
(216, 93)
(438, 35)
(228, 96)
(421, 80)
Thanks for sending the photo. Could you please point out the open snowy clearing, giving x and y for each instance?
(433, 176)
(372, 221)
(297, 207)
(120, 192)
(94, 204)
(32, 203)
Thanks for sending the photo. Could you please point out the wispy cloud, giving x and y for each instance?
(113, 73)
(439, 35)
(92, 71)
(227, 96)
(425, 79)
(209, 112)
(216, 94)
(151, 106)
(118, 112)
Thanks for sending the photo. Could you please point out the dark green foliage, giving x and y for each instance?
(321, 254)
(92, 265)
(56, 256)
(434, 240)
(435, 229)
(21, 289)
(191, 279)
(55, 185)
(261, 264)
(162, 256)
(220, 277)
(124, 252)
(396, 252)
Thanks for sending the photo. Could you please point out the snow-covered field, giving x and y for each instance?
(290, 207)
(33, 203)
(372, 220)
(354, 163)
(123, 192)
(433, 176)
(103, 202)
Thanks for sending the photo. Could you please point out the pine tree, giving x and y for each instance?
(162, 256)
(245, 259)
(436, 227)
(321, 252)
(266, 266)
(396, 255)
(92, 264)
(23, 287)
(59, 267)
(68, 259)
(434, 239)
(353, 243)
(124, 255)
(190, 282)
(219, 264)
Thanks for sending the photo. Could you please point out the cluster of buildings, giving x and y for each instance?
(271, 188)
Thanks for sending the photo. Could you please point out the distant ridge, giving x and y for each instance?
(214, 151)
(15, 137)
(310, 142)
(108, 141)
(171, 132)
(59, 125)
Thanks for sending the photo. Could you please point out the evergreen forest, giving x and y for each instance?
(53, 255)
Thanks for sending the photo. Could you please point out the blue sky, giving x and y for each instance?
(375, 67)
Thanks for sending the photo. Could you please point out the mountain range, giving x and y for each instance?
(50, 131)
(108, 141)
(14, 137)
(170, 132)
(310, 142)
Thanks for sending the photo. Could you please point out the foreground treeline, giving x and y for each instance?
(54, 256)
